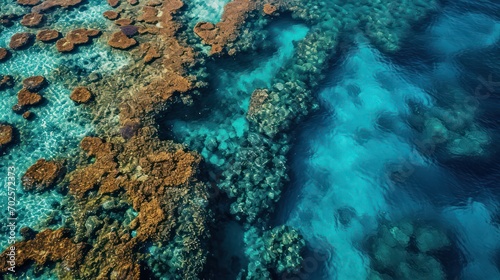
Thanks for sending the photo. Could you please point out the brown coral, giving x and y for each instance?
(34, 83)
(259, 96)
(6, 135)
(20, 40)
(4, 53)
(111, 15)
(269, 9)
(114, 3)
(28, 2)
(120, 41)
(32, 20)
(219, 35)
(42, 175)
(49, 4)
(48, 246)
(6, 82)
(28, 98)
(64, 45)
(47, 35)
(81, 95)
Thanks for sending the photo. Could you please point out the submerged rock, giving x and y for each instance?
(4, 53)
(120, 41)
(42, 175)
(6, 135)
(34, 83)
(81, 95)
(27, 115)
(20, 40)
(48, 35)
(32, 20)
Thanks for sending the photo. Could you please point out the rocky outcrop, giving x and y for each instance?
(81, 95)
(32, 20)
(42, 175)
(20, 40)
(34, 83)
(121, 41)
(48, 35)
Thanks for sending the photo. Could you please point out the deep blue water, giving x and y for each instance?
(410, 137)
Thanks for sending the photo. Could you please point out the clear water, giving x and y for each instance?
(344, 157)
(58, 125)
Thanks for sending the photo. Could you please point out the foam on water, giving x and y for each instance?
(58, 125)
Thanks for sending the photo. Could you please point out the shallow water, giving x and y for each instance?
(393, 175)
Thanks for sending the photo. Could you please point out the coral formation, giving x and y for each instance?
(6, 135)
(34, 83)
(6, 81)
(48, 35)
(50, 4)
(393, 255)
(272, 252)
(32, 20)
(64, 45)
(26, 98)
(81, 95)
(112, 15)
(20, 40)
(42, 175)
(48, 246)
(119, 40)
(4, 53)
(28, 2)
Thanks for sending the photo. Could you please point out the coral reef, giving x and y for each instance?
(119, 40)
(272, 252)
(28, 2)
(48, 35)
(26, 98)
(42, 175)
(76, 37)
(4, 54)
(21, 40)
(81, 95)
(393, 256)
(34, 83)
(112, 15)
(50, 4)
(32, 20)
(47, 247)
(6, 81)
(6, 136)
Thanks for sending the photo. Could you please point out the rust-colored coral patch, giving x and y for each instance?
(43, 174)
(48, 246)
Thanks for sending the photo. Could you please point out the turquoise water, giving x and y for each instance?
(217, 134)
(379, 146)
(392, 142)
(58, 125)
